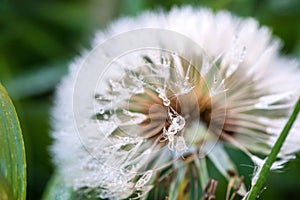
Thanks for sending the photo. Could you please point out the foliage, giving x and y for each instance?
(12, 154)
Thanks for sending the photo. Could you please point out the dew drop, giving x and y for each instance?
(115, 85)
(178, 122)
(104, 194)
(101, 111)
(243, 54)
(165, 62)
(138, 90)
(172, 130)
(180, 144)
(158, 90)
(144, 179)
(141, 77)
(103, 99)
(215, 79)
(166, 102)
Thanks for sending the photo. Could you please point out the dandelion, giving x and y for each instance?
(162, 92)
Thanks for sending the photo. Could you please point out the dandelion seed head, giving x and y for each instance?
(159, 88)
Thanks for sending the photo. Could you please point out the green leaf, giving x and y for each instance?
(200, 164)
(57, 190)
(5, 192)
(12, 153)
(227, 168)
(221, 160)
(178, 183)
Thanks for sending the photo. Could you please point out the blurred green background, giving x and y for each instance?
(39, 38)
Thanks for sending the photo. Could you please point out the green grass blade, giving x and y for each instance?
(12, 153)
(201, 167)
(177, 183)
(265, 169)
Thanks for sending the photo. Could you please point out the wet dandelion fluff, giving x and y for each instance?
(161, 92)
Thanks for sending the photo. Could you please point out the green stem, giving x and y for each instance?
(265, 169)
(201, 166)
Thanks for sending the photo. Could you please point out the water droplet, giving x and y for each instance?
(178, 122)
(103, 99)
(180, 144)
(172, 130)
(101, 111)
(159, 90)
(171, 142)
(165, 62)
(141, 77)
(126, 112)
(104, 194)
(135, 118)
(144, 179)
(162, 95)
(215, 79)
(166, 102)
(116, 86)
(138, 90)
(242, 55)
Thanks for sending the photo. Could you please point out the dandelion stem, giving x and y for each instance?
(265, 169)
